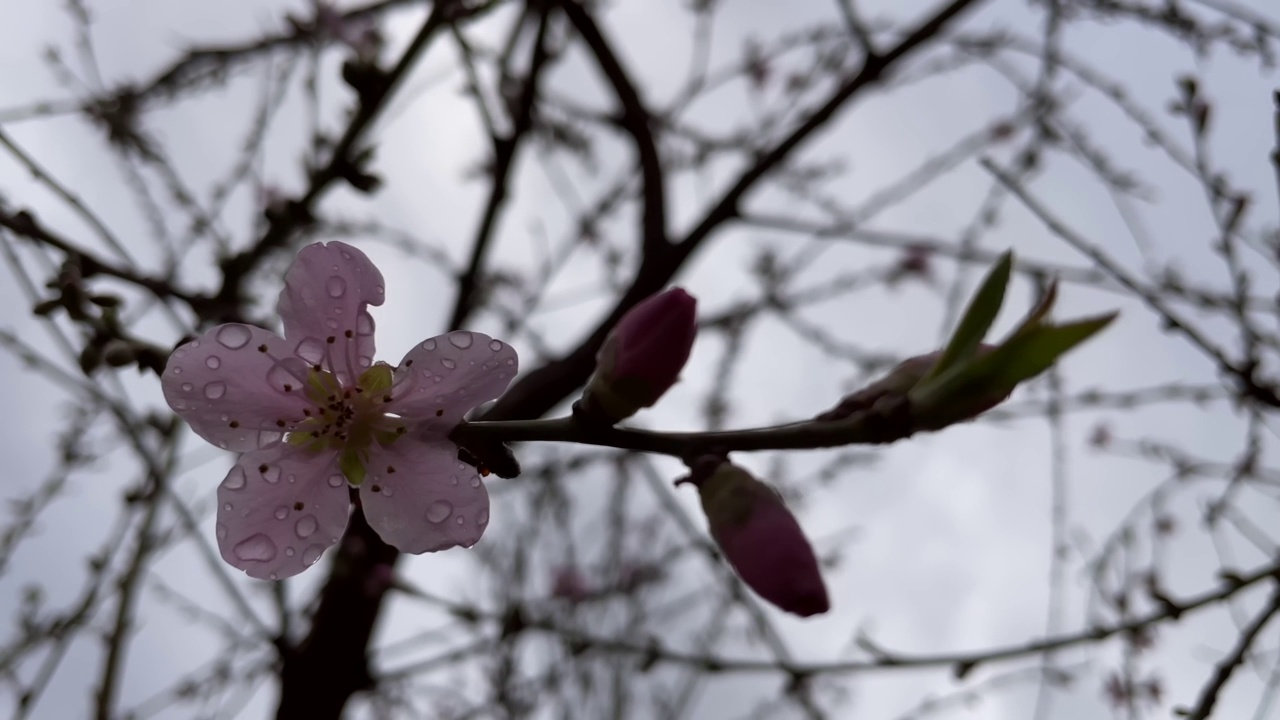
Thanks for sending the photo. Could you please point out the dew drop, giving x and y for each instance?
(511, 361)
(461, 520)
(187, 387)
(272, 475)
(255, 547)
(292, 478)
(331, 323)
(461, 339)
(312, 554)
(212, 362)
(289, 551)
(336, 286)
(438, 511)
(234, 336)
(282, 512)
(195, 343)
(482, 518)
(346, 255)
(221, 530)
(495, 345)
(268, 437)
(273, 576)
(226, 507)
(364, 324)
(311, 350)
(223, 444)
(336, 481)
(224, 417)
(177, 371)
(365, 361)
(448, 363)
(215, 390)
(453, 480)
(306, 526)
(388, 491)
(280, 375)
(475, 481)
(429, 344)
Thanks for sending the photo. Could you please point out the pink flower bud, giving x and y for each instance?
(760, 538)
(643, 356)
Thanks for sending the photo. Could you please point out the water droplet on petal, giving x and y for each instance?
(215, 390)
(306, 526)
(187, 387)
(388, 491)
(346, 255)
(336, 286)
(364, 324)
(226, 507)
(448, 363)
(289, 551)
(282, 512)
(255, 547)
(336, 481)
(212, 362)
(280, 375)
(482, 518)
(234, 336)
(365, 361)
(511, 361)
(273, 576)
(331, 323)
(461, 339)
(429, 344)
(312, 554)
(461, 520)
(221, 530)
(495, 345)
(267, 437)
(292, 477)
(438, 511)
(272, 474)
(311, 350)
(453, 480)
(177, 371)
(475, 481)
(195, 343)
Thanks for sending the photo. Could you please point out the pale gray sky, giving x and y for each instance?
(953, 543)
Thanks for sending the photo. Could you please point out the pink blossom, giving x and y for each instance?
(760, 537)
(643, 355)
(313, 415)
(569, 584)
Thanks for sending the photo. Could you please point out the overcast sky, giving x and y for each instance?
(953, 529)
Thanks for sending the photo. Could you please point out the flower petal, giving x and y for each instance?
(236, 386)
(444, 377)
(326, 295)
(419, 498)
(279, 509)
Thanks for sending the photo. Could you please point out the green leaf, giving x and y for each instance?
(977, 318)
(1039, 312)
(1022, 357)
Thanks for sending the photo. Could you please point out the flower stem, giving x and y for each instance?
(874, 426)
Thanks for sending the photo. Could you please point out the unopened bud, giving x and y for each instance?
(899, 382)
(643, 356)
(760, 537)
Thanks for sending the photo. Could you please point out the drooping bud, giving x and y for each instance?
(759, 537)
(642, 356)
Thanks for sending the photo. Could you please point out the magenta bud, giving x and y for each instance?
(761, 539)
(643, 355)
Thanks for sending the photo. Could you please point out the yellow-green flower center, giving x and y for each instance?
(349, 419)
